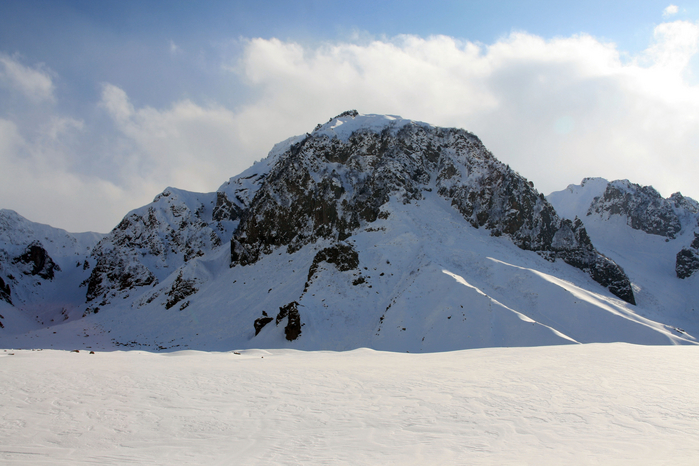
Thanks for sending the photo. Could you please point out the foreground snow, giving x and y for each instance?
(579, 404)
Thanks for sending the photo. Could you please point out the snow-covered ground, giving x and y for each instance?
(578, 404)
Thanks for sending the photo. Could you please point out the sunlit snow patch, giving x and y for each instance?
(611, 305)
(523, 317)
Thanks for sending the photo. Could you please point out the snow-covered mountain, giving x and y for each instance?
(370, 231)
(41, 269)
(654, 239)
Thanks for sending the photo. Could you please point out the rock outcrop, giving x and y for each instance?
(292, 330)
(688, 259)
(644, 208)
(5, 292)
(36, 261)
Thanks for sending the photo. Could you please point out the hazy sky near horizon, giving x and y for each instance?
(104, 104)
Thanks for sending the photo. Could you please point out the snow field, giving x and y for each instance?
(577, 404)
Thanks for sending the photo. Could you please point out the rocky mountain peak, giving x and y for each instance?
(644, 208)
(335, 181)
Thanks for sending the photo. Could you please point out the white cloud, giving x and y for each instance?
(186, 146)
(35, 83)
(556, 110)
(674, 45)
(37, 181)
(670, 10)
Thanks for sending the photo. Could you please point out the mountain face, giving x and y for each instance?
(369, 231)
(178, 226)
(655, 239)
(644, 209)
(40, 264)
(336, 179)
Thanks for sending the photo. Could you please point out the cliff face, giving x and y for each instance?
(334, 180)
(644, 208)
(687, 261)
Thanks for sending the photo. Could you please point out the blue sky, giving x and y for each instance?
(104, 104)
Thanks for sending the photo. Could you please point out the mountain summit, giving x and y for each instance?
(335, 180)
(372, 230)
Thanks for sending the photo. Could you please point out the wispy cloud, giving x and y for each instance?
(35, 83)
(187, 146)
(670, 10)
(674, 46)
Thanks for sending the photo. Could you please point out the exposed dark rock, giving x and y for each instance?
(5, 292)
(343, 256)
(37, 261)
(644, 207)
(687, 261)
(114, 272)
(684, 203)
(261, 322)
(225, 209)
(293, 326)
(358, 281)
(180, 289)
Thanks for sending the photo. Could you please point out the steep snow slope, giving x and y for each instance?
(41, 268)
(643, 233)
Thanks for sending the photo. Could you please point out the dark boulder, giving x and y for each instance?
(5, 292)
(293, 327)
(687, 261)
(260, 323)
(36, 261)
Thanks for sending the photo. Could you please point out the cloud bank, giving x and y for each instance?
(556, 110)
